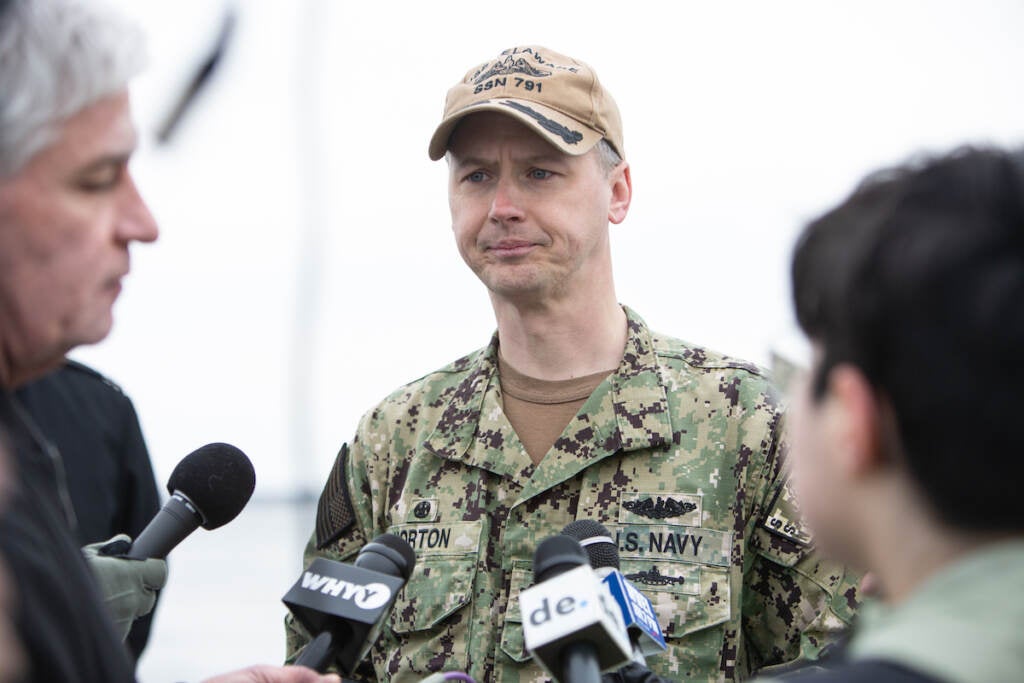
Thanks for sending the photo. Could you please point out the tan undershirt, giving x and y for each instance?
(538, 409)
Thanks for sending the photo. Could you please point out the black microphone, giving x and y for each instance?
(637, 611)
(208, 488)
(571, 626)
(344, 605)
(597, 541)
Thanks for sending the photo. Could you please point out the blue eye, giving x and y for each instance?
(476, 177)
(540, 174)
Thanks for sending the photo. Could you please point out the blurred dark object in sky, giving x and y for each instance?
(199, 79)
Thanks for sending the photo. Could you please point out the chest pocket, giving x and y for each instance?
(442, 580)
(684, 571)
(440, 586)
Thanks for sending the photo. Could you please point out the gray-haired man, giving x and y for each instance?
(69, 210)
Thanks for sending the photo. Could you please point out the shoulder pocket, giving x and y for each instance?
(781, 536)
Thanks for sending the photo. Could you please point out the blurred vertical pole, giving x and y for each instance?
(312, 225)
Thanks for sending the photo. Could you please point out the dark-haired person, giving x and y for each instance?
(908, 453)
(69, 210)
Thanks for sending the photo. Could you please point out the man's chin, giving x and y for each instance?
(515, 285)
(94, 333)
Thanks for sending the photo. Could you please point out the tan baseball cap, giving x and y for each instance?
(557, 96)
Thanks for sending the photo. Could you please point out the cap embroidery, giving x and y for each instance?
(571, 137)
(511, 66)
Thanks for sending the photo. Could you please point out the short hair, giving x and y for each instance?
(607, 155)
(917, 279)
(57, 57)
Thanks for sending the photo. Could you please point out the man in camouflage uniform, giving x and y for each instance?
(575, 410)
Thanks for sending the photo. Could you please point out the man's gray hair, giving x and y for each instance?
(609, 157)
(606, 156)
(57, 57)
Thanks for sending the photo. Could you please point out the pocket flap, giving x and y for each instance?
(687, 597)
(441, 587)
(683, 570)
(512, 642)
(442, 580)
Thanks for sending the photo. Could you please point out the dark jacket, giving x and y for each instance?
(60, 619)
(109, 476)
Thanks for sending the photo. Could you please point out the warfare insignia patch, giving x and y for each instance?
(663, 508)
(655, 578)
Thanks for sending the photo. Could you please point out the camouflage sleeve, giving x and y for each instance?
(796, 602)
(344, 523)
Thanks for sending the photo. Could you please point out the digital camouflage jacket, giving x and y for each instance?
(678, 452)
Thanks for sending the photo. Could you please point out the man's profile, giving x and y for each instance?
(907, 448)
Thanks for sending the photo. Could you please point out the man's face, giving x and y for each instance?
(530, 221)
(66, 220)
(816, 471)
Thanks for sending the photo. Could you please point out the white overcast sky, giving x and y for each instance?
(306, 266)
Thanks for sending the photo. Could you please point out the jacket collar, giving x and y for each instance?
(627, 412)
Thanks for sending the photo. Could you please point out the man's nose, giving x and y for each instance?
(506, 204)
(135, 221)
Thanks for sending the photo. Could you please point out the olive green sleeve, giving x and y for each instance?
(343, 525)
(795, 601)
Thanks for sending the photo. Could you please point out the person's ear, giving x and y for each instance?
(622, 193)
(857, 420)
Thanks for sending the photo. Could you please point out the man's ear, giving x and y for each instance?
(857, 427)
(622, 193)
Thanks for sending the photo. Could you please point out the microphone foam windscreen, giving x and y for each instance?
(555, 555)
(218, 479)
(390, 554)
(596, 541)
